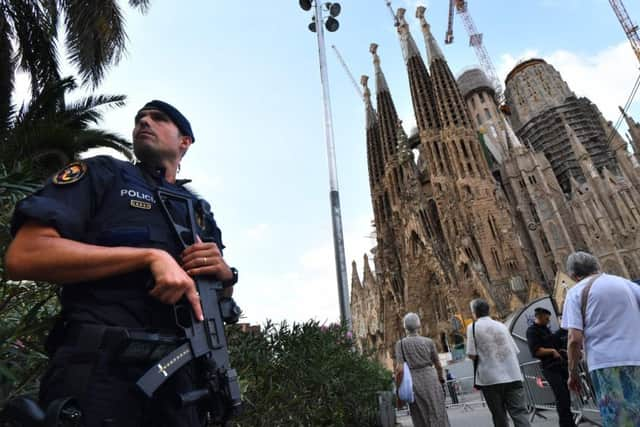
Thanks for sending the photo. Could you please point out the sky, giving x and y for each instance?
(245, 73)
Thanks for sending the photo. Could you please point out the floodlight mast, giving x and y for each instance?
(334, 195)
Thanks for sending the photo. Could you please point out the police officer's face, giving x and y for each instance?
(542, 319)
(157, 138)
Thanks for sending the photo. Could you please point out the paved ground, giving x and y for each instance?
(474, 413)
(478, 416)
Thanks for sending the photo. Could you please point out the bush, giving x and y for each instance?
(299, 375)
(27, 310)
(305, 374)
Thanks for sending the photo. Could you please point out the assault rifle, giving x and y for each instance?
(205, 341)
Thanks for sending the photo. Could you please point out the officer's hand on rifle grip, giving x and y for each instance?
(172, 282)
(205, 258)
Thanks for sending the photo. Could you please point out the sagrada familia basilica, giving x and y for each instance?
(479, 204)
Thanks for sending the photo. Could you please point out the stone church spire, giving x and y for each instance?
(387, 115)
(374, 146)
(453, 112)
(419, 80)
(433, 50)
(582, 155)
(634, 131)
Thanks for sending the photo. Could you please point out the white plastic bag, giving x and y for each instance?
(405, 391)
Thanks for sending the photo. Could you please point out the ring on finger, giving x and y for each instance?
(204, 261)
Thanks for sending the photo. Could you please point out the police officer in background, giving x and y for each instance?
(545, 346)
(97, 230)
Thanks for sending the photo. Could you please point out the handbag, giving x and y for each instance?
(476, 359)
(405, 389)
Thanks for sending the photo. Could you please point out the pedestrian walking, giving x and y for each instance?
(545, 346)
(602, 314)
(428, 409)
(491, 347)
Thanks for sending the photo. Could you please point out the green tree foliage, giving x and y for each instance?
(305, 375)
(38, 138)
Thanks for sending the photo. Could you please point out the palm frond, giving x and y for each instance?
(88, 111)
(15, 185)
(95, 36)
(35, 34)
(45, 103)
(142, 5)
(7, 67)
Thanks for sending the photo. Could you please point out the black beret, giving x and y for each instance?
(541, 310)
(176, 116)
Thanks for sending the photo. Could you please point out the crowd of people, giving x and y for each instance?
(600, 316)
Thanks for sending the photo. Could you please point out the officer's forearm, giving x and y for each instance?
(542, 352)
(40, 253)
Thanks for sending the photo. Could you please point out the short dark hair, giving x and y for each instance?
(480, 307)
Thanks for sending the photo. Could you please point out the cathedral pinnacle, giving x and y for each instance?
(404, 152)
(371, 113)
(584, 159)
(433, 50)
(408, 45)
(381, 82)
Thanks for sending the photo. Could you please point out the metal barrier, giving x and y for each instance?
(460, 393)
(540, 396)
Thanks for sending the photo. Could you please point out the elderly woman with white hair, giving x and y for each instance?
(428, 409)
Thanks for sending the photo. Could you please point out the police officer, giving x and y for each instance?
(97, 230)
(544, 345)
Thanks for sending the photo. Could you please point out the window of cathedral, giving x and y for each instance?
(466, 271)
(469, 253)
(487, 113)
(545, 244)
(416, 244)
(492, 227)
(496, 259)
(464, 149)
(534, 212)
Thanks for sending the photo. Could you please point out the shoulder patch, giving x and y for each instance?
(71, 173)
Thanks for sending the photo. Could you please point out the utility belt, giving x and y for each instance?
(126, 345)
(93, 342)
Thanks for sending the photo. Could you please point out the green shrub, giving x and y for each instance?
(27, 310)
(305, 375)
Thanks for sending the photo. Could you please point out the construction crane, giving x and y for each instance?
(475, 40)
(344, 65)
(630, 29)
(448, 38)
(393, 14)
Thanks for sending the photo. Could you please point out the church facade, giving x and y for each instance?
(470, 207)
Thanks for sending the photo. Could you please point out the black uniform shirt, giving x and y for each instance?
(108, 202)
(541, 336)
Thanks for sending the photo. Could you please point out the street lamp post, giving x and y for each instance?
(317, 26)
